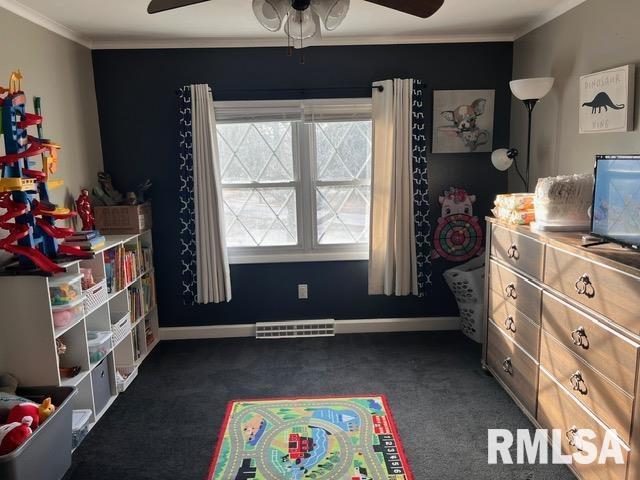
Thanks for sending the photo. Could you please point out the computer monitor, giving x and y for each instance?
(616, 199)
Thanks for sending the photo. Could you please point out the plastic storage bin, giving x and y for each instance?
(46, 455)
(562, 203)
(466, 281)
(99, 345)
(65, 289)
(64, 315)
(79, 426)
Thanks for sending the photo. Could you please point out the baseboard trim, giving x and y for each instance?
(366, 325)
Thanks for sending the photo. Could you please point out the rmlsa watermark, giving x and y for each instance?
(534, 448)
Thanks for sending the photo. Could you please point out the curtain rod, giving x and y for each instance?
(303, 89)
(380, 88)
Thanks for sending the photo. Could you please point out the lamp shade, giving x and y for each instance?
(331, 12)
(501, 159)
(531, 88)
(302, 24)
(271, 13)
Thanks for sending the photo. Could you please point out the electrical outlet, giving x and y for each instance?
(303, 291)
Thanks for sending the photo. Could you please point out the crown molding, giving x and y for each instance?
(560, 9)
(226, 42)
(34, 16)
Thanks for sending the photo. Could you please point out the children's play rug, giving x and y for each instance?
(336, 438)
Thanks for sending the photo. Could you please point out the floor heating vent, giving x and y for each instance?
(296, 329)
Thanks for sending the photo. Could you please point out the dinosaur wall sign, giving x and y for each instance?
(607, 100)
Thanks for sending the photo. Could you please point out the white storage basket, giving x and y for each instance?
(95, 296)
(120, 329)
(129, 372)
(466, 281)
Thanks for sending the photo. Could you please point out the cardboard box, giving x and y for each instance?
(123, 219)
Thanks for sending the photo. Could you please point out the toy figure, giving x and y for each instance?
(142, 190)
(85, 211)
(14, 434)
(113, 196)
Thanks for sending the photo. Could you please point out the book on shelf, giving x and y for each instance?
(87, 244)
(83, 235)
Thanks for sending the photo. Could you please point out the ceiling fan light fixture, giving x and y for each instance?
(331, 12)
(302, 24)
(271, 13)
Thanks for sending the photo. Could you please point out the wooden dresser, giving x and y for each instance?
(563, 335)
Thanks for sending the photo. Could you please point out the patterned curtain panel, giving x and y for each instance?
(399, 238)
(421, 206)
(186, 208)
(203, 250)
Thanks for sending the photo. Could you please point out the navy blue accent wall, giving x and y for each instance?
(138, 123)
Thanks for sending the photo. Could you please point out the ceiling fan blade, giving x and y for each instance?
(419, 8)
(163, 5)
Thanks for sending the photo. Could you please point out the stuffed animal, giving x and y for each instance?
(14, 407)
(14, 434)
(8, 383)
(39, 413)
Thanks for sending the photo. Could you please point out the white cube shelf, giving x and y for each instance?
(28, 339)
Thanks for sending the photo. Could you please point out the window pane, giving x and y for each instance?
(256, 152)
(343, 214)
(260, 216)
(343, 150)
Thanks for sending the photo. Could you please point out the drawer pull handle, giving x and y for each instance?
(513, 252)
(585, 287)
(577, 383)
(511, 292)
(571, 437)
(507, 366)
(510, 324)
(579, 338)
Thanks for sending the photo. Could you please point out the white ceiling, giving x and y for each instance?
(125, 23)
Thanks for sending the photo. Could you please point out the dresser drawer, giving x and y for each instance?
(558, 410)
(514, 367)
(521, 252)
(516, 290)
(605, 350)
(608, 402)
(514, 323)
(611, 293)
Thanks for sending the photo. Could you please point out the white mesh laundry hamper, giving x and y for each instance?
(466, 281)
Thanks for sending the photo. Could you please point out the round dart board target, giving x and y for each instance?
(458, 237)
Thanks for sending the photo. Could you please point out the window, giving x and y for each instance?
(296, 179)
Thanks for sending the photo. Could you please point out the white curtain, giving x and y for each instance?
(392, 247)
(213, 279)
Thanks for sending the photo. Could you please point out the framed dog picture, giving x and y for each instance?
(463, 121)
(607, 100)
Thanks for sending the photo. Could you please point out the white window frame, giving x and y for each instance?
(308, 248)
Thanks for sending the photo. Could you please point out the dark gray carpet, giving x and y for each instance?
(166, 424)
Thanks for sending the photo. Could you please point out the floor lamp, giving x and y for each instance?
(530, 91)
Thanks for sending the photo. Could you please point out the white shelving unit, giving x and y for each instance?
(28, 336)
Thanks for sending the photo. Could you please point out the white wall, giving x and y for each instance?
(595, 36)
(61, 72)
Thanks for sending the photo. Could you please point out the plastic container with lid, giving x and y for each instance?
(64, 315)
(65, 289)
(79, 426)
(99, 345)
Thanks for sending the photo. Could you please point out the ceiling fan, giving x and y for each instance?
(302, 18)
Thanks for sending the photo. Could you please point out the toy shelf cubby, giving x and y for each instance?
(28, 347)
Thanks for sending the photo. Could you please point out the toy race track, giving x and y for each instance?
(30, 217)
(18, 232)
(332, 438)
